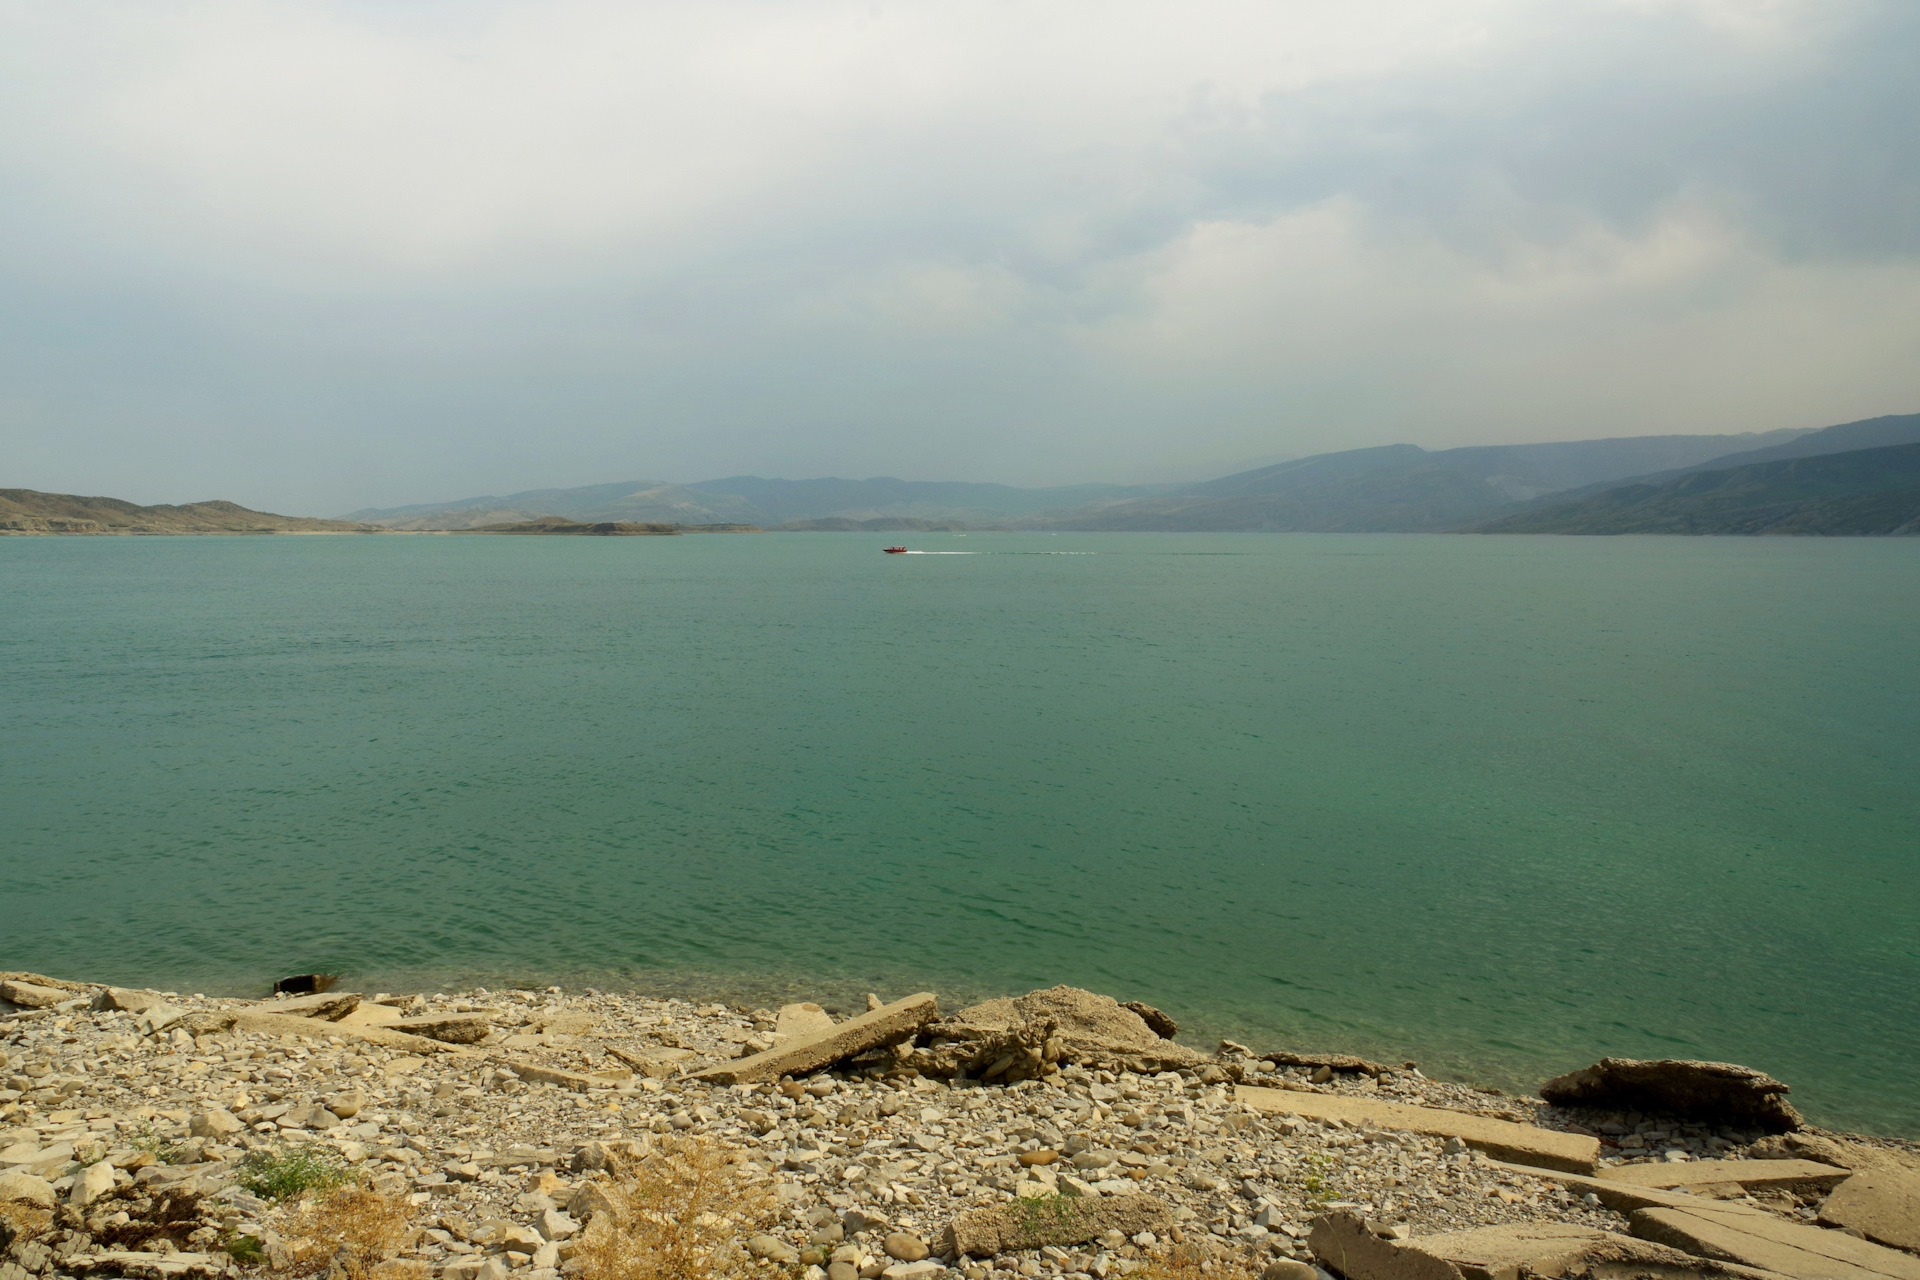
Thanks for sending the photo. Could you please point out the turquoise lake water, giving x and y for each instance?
(1501, 805)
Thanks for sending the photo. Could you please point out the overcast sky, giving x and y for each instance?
(312, 255)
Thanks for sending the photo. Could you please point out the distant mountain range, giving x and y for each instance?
(755, 500)
(1859, 493)
(28, 511)
(1395, 487)
(1856, 478)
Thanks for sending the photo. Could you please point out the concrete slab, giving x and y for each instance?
(1503, 1139)
(888, 1024)
(1621, 1197)
(1774, 1244)
(283, 1025)
(1512, 1251)
(330, 1005)
(1882, 1204)
(1755, 1175)
(1343, 1242)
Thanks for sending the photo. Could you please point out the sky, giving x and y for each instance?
(316, 255)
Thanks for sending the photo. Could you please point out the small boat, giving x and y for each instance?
(895, 551)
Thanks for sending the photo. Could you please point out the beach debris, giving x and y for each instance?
(1503, 1139)
(509, 1160)
(1034, 1035)
(890, 1024)
(1715, 1092)
(330, 1006)
(1364, 1250)
(802, 1019)
(448, 1028)
(38, 991)
(1056, 1221)
(1756, 1238)
(122, 1000)
(1748, 1175)
(1157, 1022)
(1881, 1204)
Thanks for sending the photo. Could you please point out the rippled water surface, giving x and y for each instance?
(1500, 804)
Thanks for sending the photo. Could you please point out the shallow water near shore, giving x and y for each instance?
(1502, 805)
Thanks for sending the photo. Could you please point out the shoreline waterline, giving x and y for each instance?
(844, 996)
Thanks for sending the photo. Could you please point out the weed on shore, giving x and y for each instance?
(684, 1213)
(353, 1231)
(285, 1173)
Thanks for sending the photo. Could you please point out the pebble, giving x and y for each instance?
(869, 1171)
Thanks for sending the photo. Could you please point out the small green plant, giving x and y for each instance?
(248, 1251)
(147, 1138)
(1043, 1216)
(1313, 1184)
(285, 1173)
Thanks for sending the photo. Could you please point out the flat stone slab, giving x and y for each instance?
(1521, 1143)
(1882, 1204)
(452, 1028)
(1053, 1220)
(564, 1079)
(1510, 1251)
(1625, 1197)
(888, 1024)
(280, 1024)
(1757, 1175)
(1757, 1239)
(329, 1005)
(31, 995)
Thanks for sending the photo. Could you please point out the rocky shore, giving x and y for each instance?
(1058, 1134)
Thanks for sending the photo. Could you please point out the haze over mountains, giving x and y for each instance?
(1394, 487)
(1858, 478)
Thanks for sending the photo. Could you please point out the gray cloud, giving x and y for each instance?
(316, 255)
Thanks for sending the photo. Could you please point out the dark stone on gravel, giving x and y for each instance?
(1715, 1092)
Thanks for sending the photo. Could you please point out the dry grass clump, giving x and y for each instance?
(1197, 1262)
(685, 1213)
(354, 1230)
(20, 1220)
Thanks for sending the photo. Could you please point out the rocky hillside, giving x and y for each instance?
(1863, 493)
(1393, 488)
(30, 512)
(753, 500)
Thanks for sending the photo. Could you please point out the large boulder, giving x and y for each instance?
(1714, 1092)
(1021, 1037)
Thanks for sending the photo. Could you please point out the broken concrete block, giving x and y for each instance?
(448, 1028)
(804, 1019)
(1881, 1204)
(1621, 1197)
(281, 1025)
(888, 1025)
(369, 1014)
(1755, 1239)
(533, 1074)
(127, 1001)
(1521, 1143)
(1034, 1224)
(1754, 1175)
(1510, 1251)
(328, 1005)
(30, 995)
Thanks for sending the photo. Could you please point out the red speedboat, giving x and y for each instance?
(895, 551)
